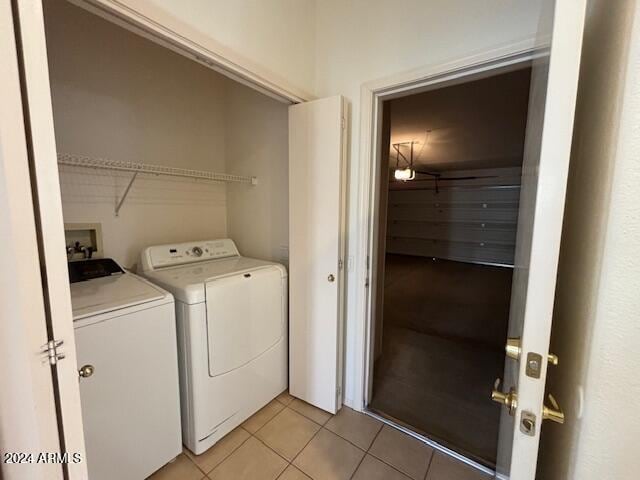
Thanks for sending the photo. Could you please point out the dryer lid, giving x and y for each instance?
(187, 282)
(115, 292)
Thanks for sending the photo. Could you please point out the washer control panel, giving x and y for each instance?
(180, 253)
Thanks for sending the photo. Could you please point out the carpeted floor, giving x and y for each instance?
(445, 326)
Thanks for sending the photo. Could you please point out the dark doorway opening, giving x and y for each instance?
(449, 198)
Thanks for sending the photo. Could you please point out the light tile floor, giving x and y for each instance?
(291, 440)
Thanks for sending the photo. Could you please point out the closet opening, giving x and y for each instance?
(211, 153)
(156, 149)
(448, 199)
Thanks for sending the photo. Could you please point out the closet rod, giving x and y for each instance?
(106, 164)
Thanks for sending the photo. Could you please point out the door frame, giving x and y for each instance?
(435, 76)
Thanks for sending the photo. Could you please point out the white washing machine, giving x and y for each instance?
(127, 354)
(231, 313)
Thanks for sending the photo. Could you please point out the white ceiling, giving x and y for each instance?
(479, 124)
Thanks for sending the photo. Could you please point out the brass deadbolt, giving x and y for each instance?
(553, 413)
(514, 350)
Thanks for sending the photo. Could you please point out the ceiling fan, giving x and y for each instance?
(437, 177)
(409, 172)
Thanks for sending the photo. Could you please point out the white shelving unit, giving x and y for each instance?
(145, 168)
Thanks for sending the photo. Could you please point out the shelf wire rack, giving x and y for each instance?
(145, 168)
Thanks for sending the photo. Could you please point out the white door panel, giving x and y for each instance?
(546, 162)
(27, 405)
(130, 404)
(316, 244)
(46, 185)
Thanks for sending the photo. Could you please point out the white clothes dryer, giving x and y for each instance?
(231, 314)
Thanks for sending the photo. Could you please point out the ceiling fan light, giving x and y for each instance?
(404, 174)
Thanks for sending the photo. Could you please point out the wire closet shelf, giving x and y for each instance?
(136, 168)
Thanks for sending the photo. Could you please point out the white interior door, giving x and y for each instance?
(49, 222)
(544, 178)
(28, 422)
(316, 250)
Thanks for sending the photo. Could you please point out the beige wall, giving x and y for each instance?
(119, 96)
(596, 330)
(257, 144)
(274, 39)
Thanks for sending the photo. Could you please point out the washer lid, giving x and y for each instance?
(105, 294)
(88, 269)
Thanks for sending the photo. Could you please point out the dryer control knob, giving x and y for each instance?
(197, 251)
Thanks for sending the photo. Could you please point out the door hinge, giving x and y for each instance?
(52, 353)
(340, 264)
(338, 391)
(343, 123)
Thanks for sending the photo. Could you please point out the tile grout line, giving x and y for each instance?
(271, 449)
(309, 418)
(391, 466)
(433, 454)
(290, 463)
(269, 420)
(375, 437)
(349, 441)
(264, 443)
(388, 464)
(366, 452)
(193, 462)
(322, 426)
(206, 474)
(281, 402)
(358, 466)
(225, 457)
(305, 445)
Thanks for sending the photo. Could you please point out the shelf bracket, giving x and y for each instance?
(125, 193)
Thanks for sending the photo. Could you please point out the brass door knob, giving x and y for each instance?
(86, 371)
(553, 413)
(513, 350)
(509, 400)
